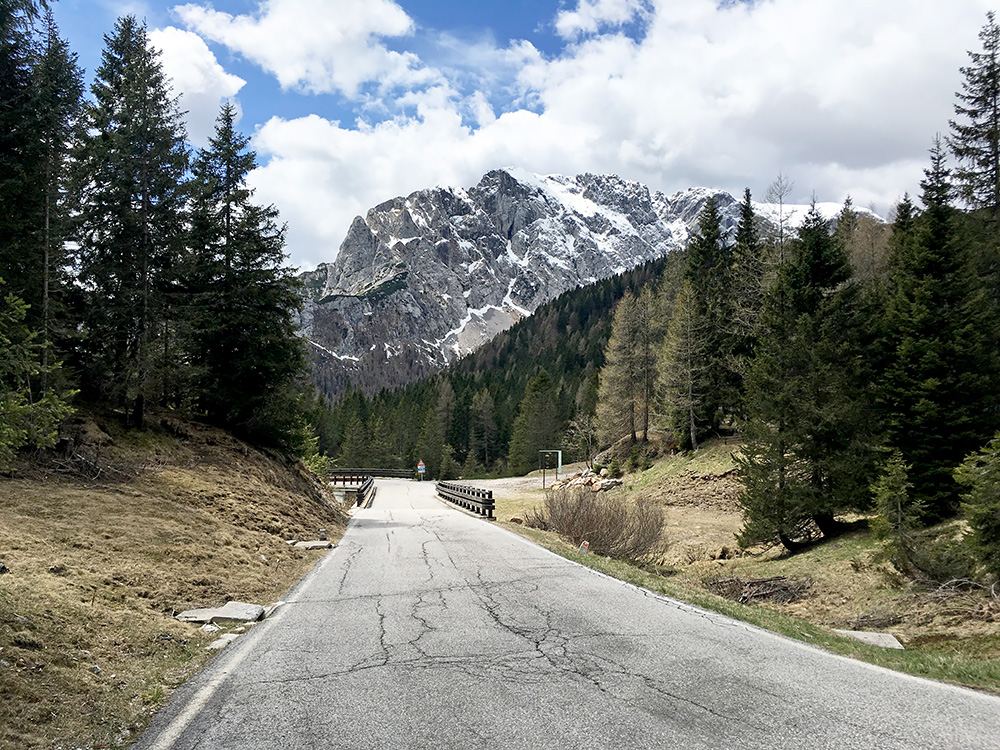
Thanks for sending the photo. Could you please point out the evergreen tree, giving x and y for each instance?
(709, 271)
(940, 380)
(484, 429)
(20, 157)
(431, 443)
(26, 417)
(747, 295)
(245, 346)
(808, 452)
(628, 378)
(535, 427)
(975, 140)
(684, 359)
(57, 86)
(130, 168)
(980, 473)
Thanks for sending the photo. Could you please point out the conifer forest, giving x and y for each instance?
(856, 361)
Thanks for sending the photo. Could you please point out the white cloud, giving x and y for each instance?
(197, 77)
(592, 15)
(315, 45)
(842, 96)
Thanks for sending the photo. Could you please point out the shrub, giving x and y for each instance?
(980, 472)
(614, 526)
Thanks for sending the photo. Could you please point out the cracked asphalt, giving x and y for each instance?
(430, 628)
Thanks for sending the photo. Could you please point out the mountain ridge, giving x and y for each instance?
(424, 279)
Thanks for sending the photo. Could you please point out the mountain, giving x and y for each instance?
(423, 280)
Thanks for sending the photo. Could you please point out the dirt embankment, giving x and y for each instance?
(102, 544)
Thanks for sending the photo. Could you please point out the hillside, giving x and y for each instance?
(425, 279)
(103, 543)
(566, 336)
(948, 631)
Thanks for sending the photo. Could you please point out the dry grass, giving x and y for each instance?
(98, 568)
(950, 633)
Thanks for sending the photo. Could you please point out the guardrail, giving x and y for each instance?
(471, 498)
(366, 492)
(385, 473)
(345, 478)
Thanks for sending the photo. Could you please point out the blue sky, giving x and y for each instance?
(352, 102)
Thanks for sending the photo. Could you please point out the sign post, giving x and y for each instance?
(421, 469)
(545, 458)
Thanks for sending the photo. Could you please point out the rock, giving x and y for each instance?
(57, 570)
(96, 670)
(516, 519)
(4, 570)
(231, 612)
(457, 266)
(885, 640)
(605, 472)
(210, 628)
(314, 545)
(222, 641)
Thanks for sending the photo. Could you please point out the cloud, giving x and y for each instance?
(842, 96)
(592, 15)
(317, 46)
(197, 77)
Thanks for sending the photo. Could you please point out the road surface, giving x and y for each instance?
(431, 628)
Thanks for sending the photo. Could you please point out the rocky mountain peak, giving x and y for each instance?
(427, 278)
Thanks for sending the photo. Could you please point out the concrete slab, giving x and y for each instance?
(885, 640)
(314, 545)
(231, 612)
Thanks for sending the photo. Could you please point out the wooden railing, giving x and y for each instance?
(471, 498)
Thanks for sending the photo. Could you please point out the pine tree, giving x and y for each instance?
(940, 379)
(130, 170)
(484, 429)
(628, 379)
(808, 452)
(26, 417)
(975, 140)
(20, 157)
(747, 295)
(535, 427)
(684, 360)
(58, 90)
(244, 340)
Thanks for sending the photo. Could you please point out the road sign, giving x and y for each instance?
(420, 467)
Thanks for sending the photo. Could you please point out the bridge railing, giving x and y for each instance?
(471, 498)
(385, 473)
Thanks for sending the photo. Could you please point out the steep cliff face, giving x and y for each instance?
(428, 278)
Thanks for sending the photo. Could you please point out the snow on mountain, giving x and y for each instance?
(423, 280)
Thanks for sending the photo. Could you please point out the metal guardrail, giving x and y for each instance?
(471, 498)
(366, 493)
(352, 478)
(385, 473)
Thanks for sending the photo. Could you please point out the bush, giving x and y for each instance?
(980, 472)
(614, 526)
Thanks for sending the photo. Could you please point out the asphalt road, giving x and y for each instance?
(430, 628)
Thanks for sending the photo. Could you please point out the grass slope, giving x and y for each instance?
(180, 517)
(949, 633)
